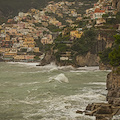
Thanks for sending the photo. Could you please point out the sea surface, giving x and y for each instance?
(30, 92)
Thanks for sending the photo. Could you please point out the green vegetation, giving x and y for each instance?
(86, 43)
(76, 46)
(2, 20)
(38, 24)
(118, 17)
(104, 56)
(60, 43)
(105, 16)
(112, 55)
(111, 21)
(53, 28)
(39, 44)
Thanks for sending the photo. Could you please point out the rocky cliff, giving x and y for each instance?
(87, 60)
(105, 40)
(106, 111)
(116, 4)
(49, 57)
(113, 87)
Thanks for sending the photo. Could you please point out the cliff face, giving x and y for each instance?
(116, 4)
(87, 60)
(113, 87)
(105, 39)
(49, 57)
(106, 111)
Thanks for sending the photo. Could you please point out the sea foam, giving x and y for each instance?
(60, 78)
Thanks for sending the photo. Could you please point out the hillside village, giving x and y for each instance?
(29, 35)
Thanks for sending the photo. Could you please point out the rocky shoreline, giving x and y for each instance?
(106, 111)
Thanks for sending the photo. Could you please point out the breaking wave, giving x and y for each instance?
(97, 83)
(60, 78)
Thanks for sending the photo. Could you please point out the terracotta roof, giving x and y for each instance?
(97, 10)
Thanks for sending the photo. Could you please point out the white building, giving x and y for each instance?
(98, 13)
(21, 14)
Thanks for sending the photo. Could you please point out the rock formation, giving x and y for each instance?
(49, 57)
(113, 87)
(105, 111)
(116, 4)
(87, 60)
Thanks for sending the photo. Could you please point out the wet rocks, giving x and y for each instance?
(116, 4)
(102, 111)
(113, 87)
(106, 111)
(79, 111)
(48, 58)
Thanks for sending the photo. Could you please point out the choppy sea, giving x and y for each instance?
(30, 92)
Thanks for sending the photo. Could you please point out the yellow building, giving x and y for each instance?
(3, 31)
(0, 27)
(2, 50)
(9, 54)
(19, 57)
(7, 38)
(36, 49)
(76, 34)
(29, 42)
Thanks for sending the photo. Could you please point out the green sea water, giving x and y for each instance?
(30, 92)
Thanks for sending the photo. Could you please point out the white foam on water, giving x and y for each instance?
(97, 83)
(79, 71)
(59, 107)
(69, 67)
(31, 83)
(95, 68)
(29, 102)
(50, 67)
(33, 64)
(60, 78)
(116, 117)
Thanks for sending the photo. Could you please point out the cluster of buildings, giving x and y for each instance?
(62, 9)
(100, 8)
(18, 36)
(17, 40)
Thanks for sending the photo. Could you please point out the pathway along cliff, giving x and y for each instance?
(111, 109)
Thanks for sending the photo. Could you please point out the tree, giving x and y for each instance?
(86, 43)
(114, 56)
(105, 16)
(118, 17)
(104, 56)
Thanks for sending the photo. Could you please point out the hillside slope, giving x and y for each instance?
(10, 8)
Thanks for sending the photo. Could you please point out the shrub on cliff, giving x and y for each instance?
(114, 56)
(104, 56)
(87, 43)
